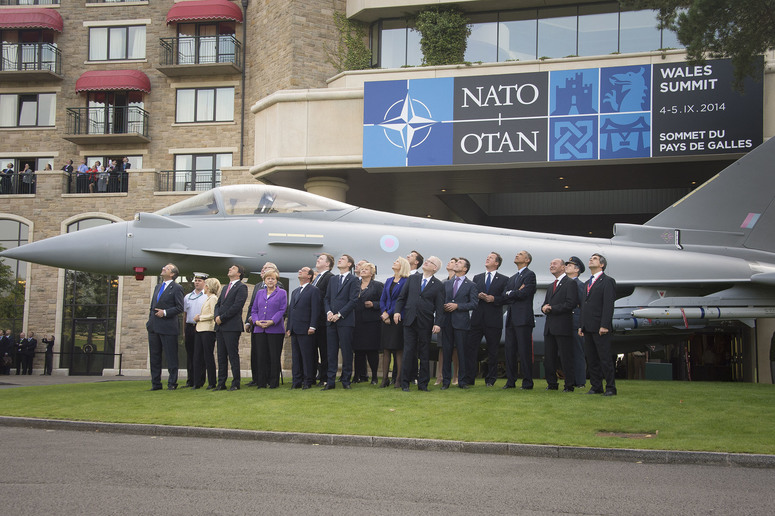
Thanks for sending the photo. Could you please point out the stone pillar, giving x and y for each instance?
(327, 186)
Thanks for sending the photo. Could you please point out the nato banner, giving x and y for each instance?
(639, 111)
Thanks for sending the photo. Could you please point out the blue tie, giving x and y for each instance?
(160, 291)
(487, 283)
(422, 286)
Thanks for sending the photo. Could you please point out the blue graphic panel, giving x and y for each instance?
(403, 123)
(625, 89)
(574, 92)
(625, 136)
(573, 138)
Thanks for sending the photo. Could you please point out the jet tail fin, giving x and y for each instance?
(734, 208)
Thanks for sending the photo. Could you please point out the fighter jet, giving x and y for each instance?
(709, 255)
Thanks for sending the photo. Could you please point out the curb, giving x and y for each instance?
(406, 443)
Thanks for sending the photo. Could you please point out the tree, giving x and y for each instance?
(738, 29)
(351, 52)
(444, 35)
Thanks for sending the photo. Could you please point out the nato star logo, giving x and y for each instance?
(407, 123)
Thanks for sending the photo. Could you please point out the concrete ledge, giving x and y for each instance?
(407, 443)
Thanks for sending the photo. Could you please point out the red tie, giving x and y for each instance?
(227, 290)
(555, 287)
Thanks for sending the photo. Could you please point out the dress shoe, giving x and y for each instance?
(186, 386)
(158, 388)
(172, 387)
(568, 389)
(234, 387)
(384, 384)
(526, 388)
(552, 387)
(346, 386)
(580, 386)
(273, 386)
(444, 387)
(194, 388)
(251, 384)
(220, 388)
(328, 387)
(304, 387)
(609, 392)
(374, 382)
(405, 389)
(593, 391)
(295, 387)
(507, 386)
(210, 388)
(424, 389)
(489, 384)
(463, 386)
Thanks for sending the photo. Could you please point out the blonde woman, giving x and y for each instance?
(204, 342)
(366, 336)
(392, 332)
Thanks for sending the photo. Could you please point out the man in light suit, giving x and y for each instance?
(520, 322)
(597, 312)
(422, 302)
(228, 321)
(323, 266)
(561, 298)
(487, 318)
(339, 305)
(303, 314)
(460, 297)
(164, 327)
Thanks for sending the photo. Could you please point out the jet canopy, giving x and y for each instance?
(248, 200)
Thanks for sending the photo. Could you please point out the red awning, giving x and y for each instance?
(31, 19)
(204, 10)
(110, 80)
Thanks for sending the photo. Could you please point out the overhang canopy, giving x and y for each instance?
(211, 10)
(109, 80)
(32, 18)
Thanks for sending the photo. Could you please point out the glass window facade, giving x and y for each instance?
(204, 105)
(116, 43)
(12, 234)
(527, 34)
(29, 110)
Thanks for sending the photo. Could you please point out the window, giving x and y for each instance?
(483, 42)
(28, 110)
(13, 234)
(116, 43)
(197, 172)
(204, 105)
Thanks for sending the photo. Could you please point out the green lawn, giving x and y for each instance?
(685, 416)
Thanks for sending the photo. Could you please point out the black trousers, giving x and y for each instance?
(228, 354)
(321, 350)
(455, 339)
(417, 342)
(303, 359)
(340, 338)
(492, 337)
(597, 349)
(361, 357)
(269, 347)
(561, 345)
(519, 342)
(189, 336)
(49, 363)
(169, 345)
(204, 359)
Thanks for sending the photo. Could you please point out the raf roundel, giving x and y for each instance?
(388, 243)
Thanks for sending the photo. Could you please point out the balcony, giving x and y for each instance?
(29, 2)
(23, 183)
(200, 55)
(30, 62)
(107, 125)
(188, 180)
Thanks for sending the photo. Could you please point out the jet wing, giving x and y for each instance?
(193, 252)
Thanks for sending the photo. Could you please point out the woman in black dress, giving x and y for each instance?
(392, 333)
(366, 336)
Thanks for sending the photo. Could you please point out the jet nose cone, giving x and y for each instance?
(101, 250)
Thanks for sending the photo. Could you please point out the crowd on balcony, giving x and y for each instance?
(109, 178)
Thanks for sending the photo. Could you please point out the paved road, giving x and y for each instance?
(71, 472)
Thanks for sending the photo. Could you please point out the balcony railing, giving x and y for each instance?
(20, 57)
(188, 180)
(23, 183)
(114, 120)
(107, 182)
(220, 52)
(29, 2)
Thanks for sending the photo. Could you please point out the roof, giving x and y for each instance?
(107, 80)
(33, 18)
(204, 10)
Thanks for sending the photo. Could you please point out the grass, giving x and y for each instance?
(698, 416)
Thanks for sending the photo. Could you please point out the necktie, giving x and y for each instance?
(158, 296)
(590, 283)
(456, 286)
(341, 280)
(487, 282)
(422, 286)
(554, 289)
(227, 290)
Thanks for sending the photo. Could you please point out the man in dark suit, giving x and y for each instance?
(228, 320)
(323, 266)
(422, 302)
(6, 352)
(597, 312)
(560, 300)
(460, 297)
(26, 352)
(520, 322)
(487, 318)
(339, 305)
(574, 268)
(303, 314)
(163, 327)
